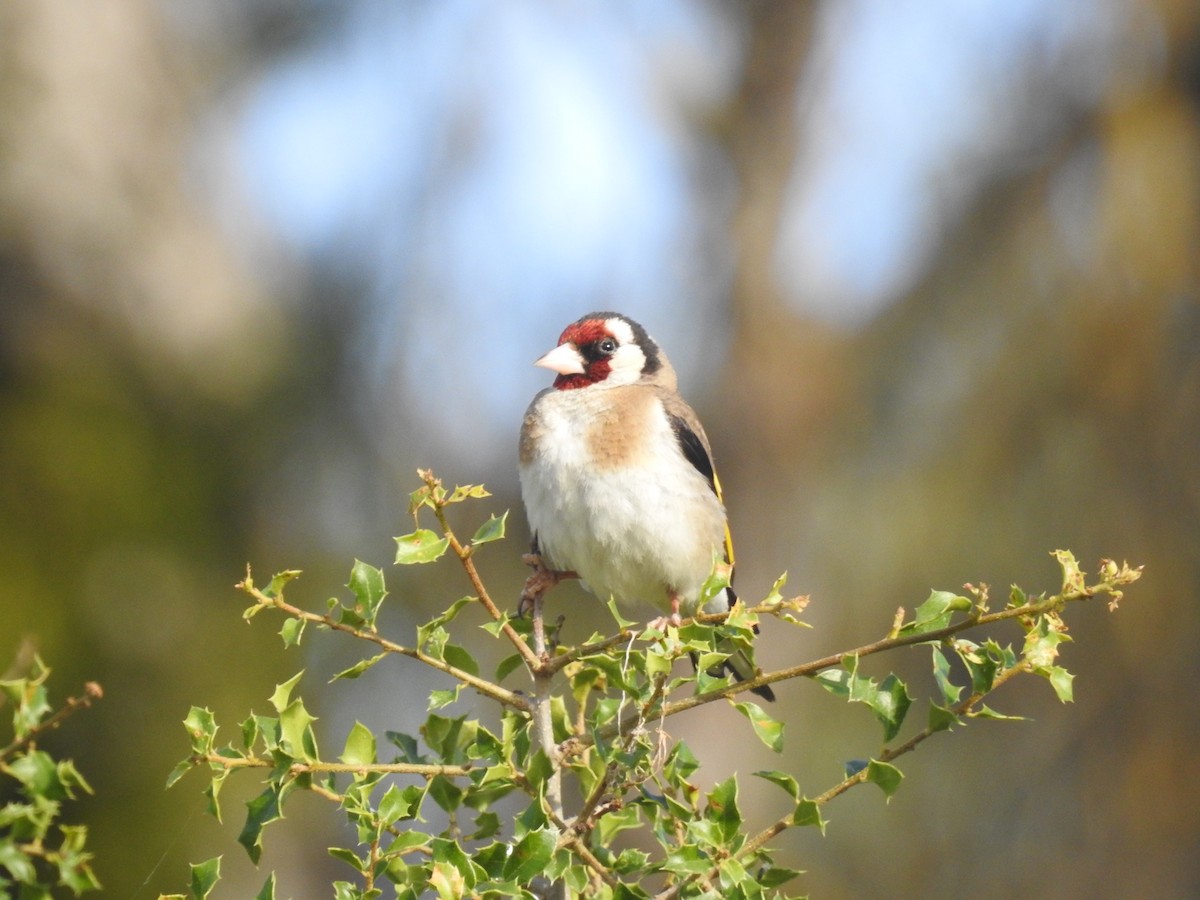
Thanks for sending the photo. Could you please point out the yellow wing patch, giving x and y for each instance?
(728, 535)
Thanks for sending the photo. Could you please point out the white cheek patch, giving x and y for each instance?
(626, 365)
(620, 329)
(629, 360)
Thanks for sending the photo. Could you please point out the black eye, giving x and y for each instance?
(608, 346)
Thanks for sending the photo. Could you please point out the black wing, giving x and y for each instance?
(694, 451)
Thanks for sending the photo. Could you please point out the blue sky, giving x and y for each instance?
(494, 170)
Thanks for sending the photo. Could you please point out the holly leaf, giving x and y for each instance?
(422, 546)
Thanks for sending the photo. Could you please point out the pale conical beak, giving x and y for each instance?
(563, 359)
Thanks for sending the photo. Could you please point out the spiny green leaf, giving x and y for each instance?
(783, 780)
(204, 876)
(449, 614)
(936, 612)
(468, 491)
(278, 580)
(201, 728)
(1061, 680)
(530, 856)
(345, 890)
(705, 833)
(775, 596)
(774, 876)
(722, 808)
(360, 746)
(422, 496)
(292, 631)
(260, 812)
(941, 674)
(1073, 580)
(984, 662)
(889, 701)
(283, 692)
(717, 581)
(407, 745)
(508, 665)
(408, 840)
(941, 718)
(450, 853)
(985, 712)
(885, 775)
(213, 791)
(367, 585)
(769, 731)
(539, 771)
(296, 734)
(181, 769)
(630, 861)
(733, 875)
(17, 863)
(422, 546)
(393, 805)
(495, 627)
(808, 813)
(613, 823)
(74, 866)
(680, 763)
(442, 697)
(449, 737)
(347, 856)
(1042, 638)
(491, 530)
(621, 621)
(358, 668)
(431, 638)
(267, 892)
(687, 860)
(891, 705)
(460, 658)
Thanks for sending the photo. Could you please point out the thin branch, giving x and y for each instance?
(427, 770)
(813, 667)
(464, 554)
(91, 692)
(497, 693)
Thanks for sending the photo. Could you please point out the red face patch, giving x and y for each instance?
(586, 332)
(584, 335)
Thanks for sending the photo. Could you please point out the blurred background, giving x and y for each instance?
(928, 272)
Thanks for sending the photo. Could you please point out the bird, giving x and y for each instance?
(617, 478)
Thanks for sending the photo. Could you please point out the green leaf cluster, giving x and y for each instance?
(38, 853)
(579, 783)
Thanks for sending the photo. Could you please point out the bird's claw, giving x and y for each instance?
(539, 582)
(661, 623)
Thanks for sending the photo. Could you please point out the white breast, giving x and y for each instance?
(634, 531)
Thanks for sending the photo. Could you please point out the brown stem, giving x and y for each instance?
(817, 665)
(497, 693)
(464, 554)
(91, 692)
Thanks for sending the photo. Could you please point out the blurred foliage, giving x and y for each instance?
(39, 854)
(178, 395)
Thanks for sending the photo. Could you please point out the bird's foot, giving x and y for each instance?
(539, 582)
(661, 623)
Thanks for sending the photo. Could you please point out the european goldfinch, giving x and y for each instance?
(617, 475)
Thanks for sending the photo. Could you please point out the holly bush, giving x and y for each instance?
(593, 718)
(39, 853)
